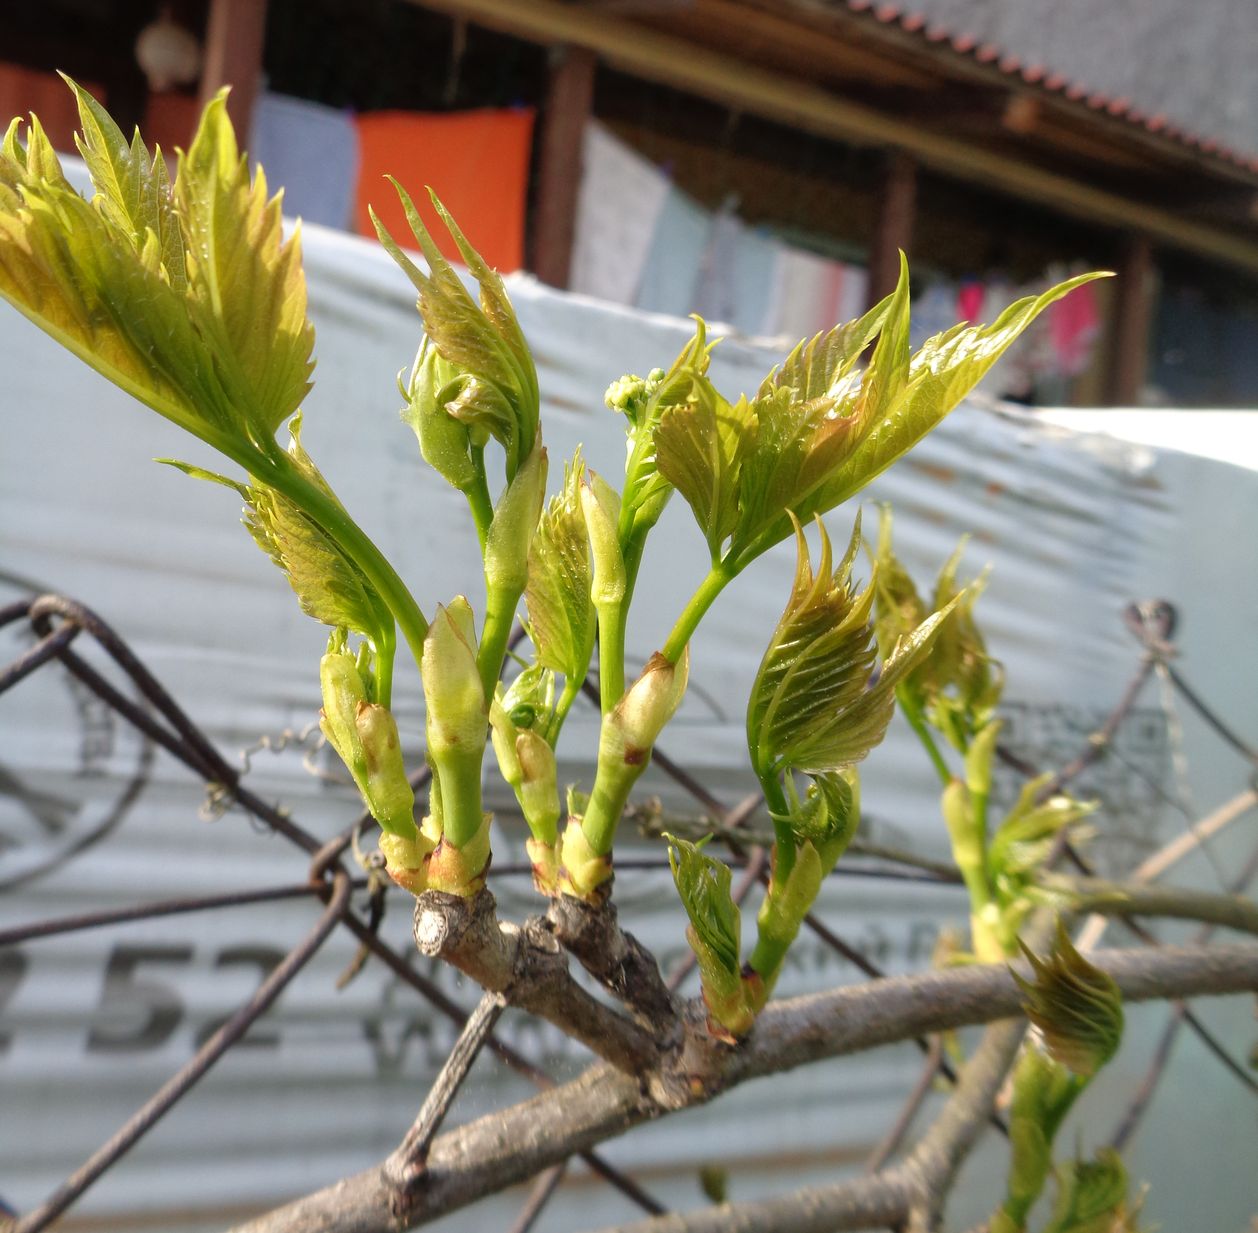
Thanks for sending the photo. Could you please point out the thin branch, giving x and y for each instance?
(1131, 899)
(529, 968)
(405, 1167)
(539, 1196)
(1153, 867)
(908, 1112)
(509, 1146)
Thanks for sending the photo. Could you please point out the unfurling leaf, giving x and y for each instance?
(700, 445)
(714, 933)
(600, 504)
(1023, 840)
(643, 402)
(365, 736)
(561, 612)
(444, 442)
(328, 585)
(1076, 1006)
(245, 278)
(907, 398)
(1091, 1196)
(959, 685)
(493, 389)
(187, 297)
(703, 882)
(514, 524)
(812, 707)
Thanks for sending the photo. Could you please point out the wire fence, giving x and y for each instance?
(59, 625)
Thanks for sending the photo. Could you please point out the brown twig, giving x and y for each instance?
(528, 967)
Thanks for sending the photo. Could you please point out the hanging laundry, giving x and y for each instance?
(970, 301)
(23, 90)
(806, 293)
(932, 312)
(853, 293)
(311, 151)
(477, 161)
(755, 259)
(715, 292)
(619, 204)
(1074, 323)
(670, 274)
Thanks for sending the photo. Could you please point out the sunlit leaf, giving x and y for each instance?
(1076, 1006)
(700, 446)
(561, 613)
(1026, 836)
(244, 277)
(704, 886)
(495, 389)
(812, 707)
(940, 374)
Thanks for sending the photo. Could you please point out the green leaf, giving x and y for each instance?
(643, 403)
(561, 613)
(133, 191)
(700, 446)
(243, 277)
(704, 886)
(76, 275)
(495, 390)
(1025, 837)
(1076, 1006)
(904, 407)
(812, 706)
(1091, 1196)
(444, 441)
(329, 586)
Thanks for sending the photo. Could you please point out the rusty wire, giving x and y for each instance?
(57, 622)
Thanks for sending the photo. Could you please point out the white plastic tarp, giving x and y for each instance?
(1075, 524)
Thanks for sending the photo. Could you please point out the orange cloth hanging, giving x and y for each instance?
(478, 163)
(23, 90)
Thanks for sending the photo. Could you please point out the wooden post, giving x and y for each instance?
(1133, 314)
(569, 98)
(894, 228)
(234, 35)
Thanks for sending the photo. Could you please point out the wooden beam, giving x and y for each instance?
(234, 35)
(659, 57)
(569, 101)
(1133, 317)
(893, 232)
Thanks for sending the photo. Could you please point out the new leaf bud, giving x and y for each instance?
(515, 520)
(601, 506)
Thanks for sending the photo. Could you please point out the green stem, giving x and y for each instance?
(611, 653)
(913, 713)
(386, 649)
(478, 499)
(500, 608)
(282, 475)
(571, 688)
(715, 582)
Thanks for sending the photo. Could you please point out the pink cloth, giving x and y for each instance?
(1074, 323)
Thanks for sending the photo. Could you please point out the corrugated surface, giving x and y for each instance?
(1075, 525)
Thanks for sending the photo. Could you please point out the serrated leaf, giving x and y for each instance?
(328, 585)
(812, 707)
(643, 403)
(561, 613)
(1076, 1006)
(496, 388)
(704, 886)
(905, 407)
(1026, 836)
(245, 279)
(1091, 1196)
(700, 446)
(133, 190)
(818, 661)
